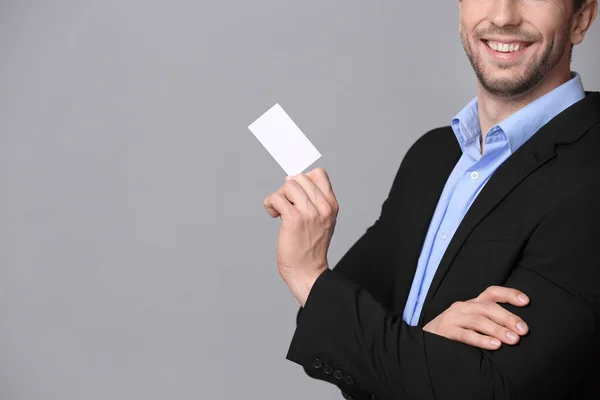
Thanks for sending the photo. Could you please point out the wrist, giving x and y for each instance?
(301, 285)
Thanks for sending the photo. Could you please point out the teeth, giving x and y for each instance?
(505, 47)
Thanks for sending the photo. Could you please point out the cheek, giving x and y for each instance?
(559, 7)
(466, 28)
(549, 17)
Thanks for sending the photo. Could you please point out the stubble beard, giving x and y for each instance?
(520, 84)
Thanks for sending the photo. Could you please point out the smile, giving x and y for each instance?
(506, 47)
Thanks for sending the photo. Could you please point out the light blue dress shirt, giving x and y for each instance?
(472, 172)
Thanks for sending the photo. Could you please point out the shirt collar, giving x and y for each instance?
(523, 124)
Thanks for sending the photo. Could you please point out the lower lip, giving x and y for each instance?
(500, 56)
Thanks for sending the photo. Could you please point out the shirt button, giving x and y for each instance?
(443, 236)
(474, 175)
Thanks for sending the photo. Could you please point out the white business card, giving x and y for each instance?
(284, 140)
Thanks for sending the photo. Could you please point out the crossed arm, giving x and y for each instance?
(345, 322)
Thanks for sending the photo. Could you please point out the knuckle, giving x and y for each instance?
(457, 305)
(326, 208)
(492, 290)
(328, 222)
(328, 216)
(463, 336)
(447, 315)
(476, 320)
(323, 220)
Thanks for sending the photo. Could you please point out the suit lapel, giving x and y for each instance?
(566, 128)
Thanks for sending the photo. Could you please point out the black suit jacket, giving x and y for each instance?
(535, 226)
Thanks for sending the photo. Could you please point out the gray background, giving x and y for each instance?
(136, 259)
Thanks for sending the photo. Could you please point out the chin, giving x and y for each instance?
(509, 87)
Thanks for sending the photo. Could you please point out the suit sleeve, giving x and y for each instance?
(368, 263)
(345, 327)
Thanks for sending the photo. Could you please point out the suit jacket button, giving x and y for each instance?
(338, 374)
(317, 364)
(327, 370)
(349, 380)
(345, 395)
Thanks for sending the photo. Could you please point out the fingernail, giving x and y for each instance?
(287, 178)
(495, 342)
(511, 336)
(521, 326)
(522, 298)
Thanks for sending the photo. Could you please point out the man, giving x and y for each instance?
(506, 196)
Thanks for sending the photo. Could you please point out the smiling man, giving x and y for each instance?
(506, 197)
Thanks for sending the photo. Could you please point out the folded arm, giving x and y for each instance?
(346, 327)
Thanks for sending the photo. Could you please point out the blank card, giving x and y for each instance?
(284, 140)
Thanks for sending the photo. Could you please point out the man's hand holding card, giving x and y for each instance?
(305, 202)
(308, 210)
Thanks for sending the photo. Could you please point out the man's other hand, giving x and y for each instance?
(481, 322)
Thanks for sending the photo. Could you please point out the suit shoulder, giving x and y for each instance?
(432, 150)
(434, 139)
(432, 142)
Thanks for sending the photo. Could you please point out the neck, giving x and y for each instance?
(493, 109)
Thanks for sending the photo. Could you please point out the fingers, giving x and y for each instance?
(482, 322)
(276, 204)
(291, 194)
(311, 193)
(500, 294)
(295, 194)
(316, 197)
(321, 179)
(492, 319)
(498, 314)
(474, 339)
(502, 316)
(484, 325)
